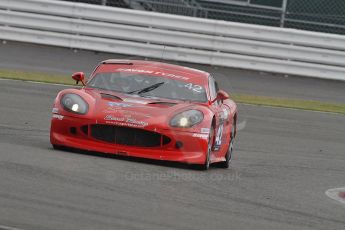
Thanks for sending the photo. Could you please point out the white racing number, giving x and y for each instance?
(195, 88)
(218, 140)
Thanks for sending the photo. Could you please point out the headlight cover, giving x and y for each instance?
(74, 103)
(187, 119)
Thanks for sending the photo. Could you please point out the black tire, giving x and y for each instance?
(207, 163)
(228, 155)
(58, 147)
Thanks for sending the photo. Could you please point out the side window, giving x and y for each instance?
(217, 89)
(216, 86)
(213, 90)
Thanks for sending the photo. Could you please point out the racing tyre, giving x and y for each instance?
(228, 155)
(58, 147)
(207, 163)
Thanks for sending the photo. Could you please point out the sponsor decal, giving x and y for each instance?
(134, 121)
(219, 137)
(55, 110)
(225, 114)
(111, 118)
(154, 73)
(124, 124)
(119, 104)
(57, 116)
(136, 113)
(123, 121)
(205, 130)
(135, 70)
(135, 101)
(111, 110)
(200, 135)
(126, 113)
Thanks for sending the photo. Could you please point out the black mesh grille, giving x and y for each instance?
(128, 136)
(85, 129)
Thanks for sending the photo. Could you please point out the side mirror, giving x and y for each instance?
(222, 95)
(79, 76)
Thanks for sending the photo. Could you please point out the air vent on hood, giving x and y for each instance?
(162, 103)
(110, 96)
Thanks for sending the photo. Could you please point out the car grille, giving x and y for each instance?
(128, 136)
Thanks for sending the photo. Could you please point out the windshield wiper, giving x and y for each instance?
(147, 89)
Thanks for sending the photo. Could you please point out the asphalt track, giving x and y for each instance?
(284, 161)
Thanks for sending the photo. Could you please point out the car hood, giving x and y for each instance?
(135, 111)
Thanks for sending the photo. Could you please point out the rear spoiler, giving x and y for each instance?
(115, 61)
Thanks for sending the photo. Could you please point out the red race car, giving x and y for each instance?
(147, 109)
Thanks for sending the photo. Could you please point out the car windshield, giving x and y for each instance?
(148, 86)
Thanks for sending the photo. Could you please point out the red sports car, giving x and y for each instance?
(147, 109)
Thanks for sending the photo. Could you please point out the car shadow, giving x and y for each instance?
(164, 163)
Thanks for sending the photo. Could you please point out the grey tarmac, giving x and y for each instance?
(284, 161)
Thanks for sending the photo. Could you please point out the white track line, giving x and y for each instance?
(287, 108)
(3, 227)
(334, 194)
(36, 82)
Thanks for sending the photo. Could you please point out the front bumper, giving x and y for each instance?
(184, 146)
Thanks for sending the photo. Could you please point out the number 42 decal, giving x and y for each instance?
(195, 88)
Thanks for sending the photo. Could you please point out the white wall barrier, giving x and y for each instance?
(156, 35)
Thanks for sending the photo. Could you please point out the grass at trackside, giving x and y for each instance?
(240, 98)
(290, 103)
(36, 76)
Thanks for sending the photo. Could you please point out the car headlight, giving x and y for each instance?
(187, 119)
(74, 103)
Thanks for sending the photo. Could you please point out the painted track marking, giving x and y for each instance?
(337, 194)
(3, 227)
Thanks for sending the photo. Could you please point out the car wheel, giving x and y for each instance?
(58, 147)
(228, 155)
(207, 163)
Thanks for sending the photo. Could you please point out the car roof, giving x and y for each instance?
(161, 69)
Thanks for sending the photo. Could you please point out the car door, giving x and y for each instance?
(221, 114)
